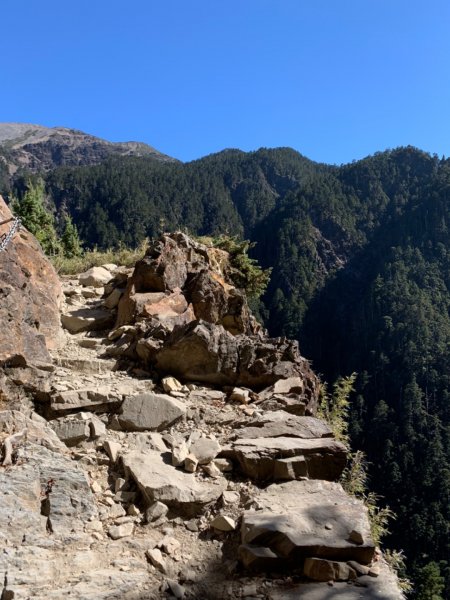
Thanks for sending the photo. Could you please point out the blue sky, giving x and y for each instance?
(335, 79)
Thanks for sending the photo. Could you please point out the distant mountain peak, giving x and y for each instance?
(37, 148)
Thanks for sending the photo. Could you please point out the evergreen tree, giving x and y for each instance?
(36, 218)
(70, 240)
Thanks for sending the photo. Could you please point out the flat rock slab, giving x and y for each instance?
(282, 424)
(159, 481)
(154, 412)
(87, 319)
(324, 458)
(303, 519)
(93, 398)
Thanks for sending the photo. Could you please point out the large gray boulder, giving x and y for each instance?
(271, 458)
(148, 411)
(303, 519)
(159, 481)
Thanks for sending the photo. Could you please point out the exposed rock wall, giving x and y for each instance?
(30, 293)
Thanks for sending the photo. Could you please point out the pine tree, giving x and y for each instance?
(70, 239)
(36, 218)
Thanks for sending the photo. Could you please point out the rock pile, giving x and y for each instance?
(174, 451)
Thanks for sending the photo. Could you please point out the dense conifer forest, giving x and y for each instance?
(360, 258)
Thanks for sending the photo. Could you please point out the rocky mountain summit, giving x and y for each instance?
(38, 148)
(161, 445)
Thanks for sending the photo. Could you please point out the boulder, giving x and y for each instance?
(321, 569)
(304, 519)
(87, 319)
(216, 301)
(74, 429)
(150, 411)
(30, 294)
(95, 397)
(95, 277)
(282, 424)
(201, 351)
(169, 309)
(189, 273)
(159, 481)
(266, 458)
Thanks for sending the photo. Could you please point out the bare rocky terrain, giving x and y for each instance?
(38, 148)
(160, 445)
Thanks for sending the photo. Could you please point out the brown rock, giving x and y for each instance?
(201, 351)
(320, 569)
(30, 294)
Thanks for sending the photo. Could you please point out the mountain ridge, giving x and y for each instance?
(36, 147)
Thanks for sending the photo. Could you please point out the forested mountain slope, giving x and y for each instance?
(361, 275)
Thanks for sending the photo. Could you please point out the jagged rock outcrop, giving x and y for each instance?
(30, 293)
(193, 275)
(202, 351)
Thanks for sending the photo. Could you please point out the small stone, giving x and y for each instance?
(205, 450)
(96, 427)
(119, 484)
(116, 532)
(359, 569)
(96, 487)
(212, 471)
(249, 589)
(230, 498)
(190, 463)
(116, 511)
(155, 556)
(125, 497)
(170, 384)
(224, 464)
(156, 511)
(170, 545)
(124, 519)
(223, 523)
(133, 510)
(177, 590)
(112, 449)
(356, 537)
(180, 452)
(374, 571)
(192, 525)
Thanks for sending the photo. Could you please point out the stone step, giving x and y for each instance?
(304, 519)
(85, 365)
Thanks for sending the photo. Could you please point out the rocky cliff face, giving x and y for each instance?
(38, 148)
(121, 481)
(30, 293)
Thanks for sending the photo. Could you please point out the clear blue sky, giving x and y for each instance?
(335, 79)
